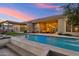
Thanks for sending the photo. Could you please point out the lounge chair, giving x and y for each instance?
(4, 37)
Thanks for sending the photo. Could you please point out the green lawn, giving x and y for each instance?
(14, 33)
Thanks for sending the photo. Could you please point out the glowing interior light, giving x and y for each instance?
(76, 28)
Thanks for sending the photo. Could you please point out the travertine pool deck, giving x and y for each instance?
(7, 52)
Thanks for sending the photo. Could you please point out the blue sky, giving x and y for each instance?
(39, 10)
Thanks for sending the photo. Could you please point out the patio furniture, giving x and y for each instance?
(4, 37)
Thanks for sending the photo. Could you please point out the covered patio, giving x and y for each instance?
(45, 25)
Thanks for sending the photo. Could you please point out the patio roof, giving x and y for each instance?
(56, 17)
(13, 22)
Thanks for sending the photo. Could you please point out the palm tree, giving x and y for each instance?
(72, 13)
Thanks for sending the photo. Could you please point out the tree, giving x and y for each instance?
(72, 12)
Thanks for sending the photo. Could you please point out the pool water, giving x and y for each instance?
(62, 42)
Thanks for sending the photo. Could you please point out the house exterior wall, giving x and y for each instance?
(62, 28)
(73, 33)
(6, 26)
(30, 27)
(13, 27)
(19, 28)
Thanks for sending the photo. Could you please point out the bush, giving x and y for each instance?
(65, 34)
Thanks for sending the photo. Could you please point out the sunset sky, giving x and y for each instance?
(28, 11)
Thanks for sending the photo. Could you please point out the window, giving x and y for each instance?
(75, 29)
(70, 28)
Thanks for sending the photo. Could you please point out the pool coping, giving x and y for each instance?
(55, 35)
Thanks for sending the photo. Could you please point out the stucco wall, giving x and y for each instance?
(62, 28)
(72, 33)
(61, 25)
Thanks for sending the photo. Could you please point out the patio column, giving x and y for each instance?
(8, 26)
(18, 29)
(30, 26)
(61, 25)
(37, 27)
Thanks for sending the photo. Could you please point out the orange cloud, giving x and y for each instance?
(17, 14)
(46, 5)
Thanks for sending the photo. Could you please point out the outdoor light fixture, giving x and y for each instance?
(76, 28)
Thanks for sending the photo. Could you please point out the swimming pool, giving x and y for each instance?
(62, 42)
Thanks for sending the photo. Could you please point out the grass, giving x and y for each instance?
(14, 33)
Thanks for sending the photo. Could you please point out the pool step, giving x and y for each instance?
(19, 50)
(36, 49)
(3, 42)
